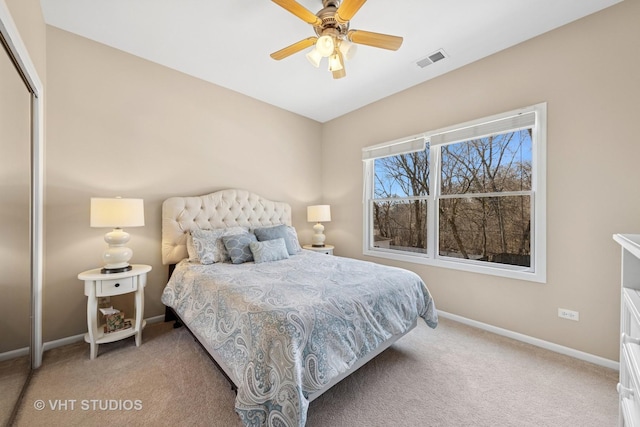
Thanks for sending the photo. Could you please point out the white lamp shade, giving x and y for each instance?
(348, 49)
(319, 213)
(117, 212)
(325, 45)
(314, 57)
(335, 64)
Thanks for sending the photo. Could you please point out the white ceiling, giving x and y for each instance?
(228, 42)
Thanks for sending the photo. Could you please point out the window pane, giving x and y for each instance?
(493, 164)
(492, 229)
(400, 225)
(481, 212)
(402, 176)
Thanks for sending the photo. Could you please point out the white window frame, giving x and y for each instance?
(472, 129)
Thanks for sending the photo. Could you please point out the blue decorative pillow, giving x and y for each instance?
(237, 247)
(280, 231)
(269, 250)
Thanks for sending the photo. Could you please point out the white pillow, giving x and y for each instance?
(293, 239)
(191, 250)
(207, 246)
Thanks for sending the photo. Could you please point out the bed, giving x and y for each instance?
(282, 323)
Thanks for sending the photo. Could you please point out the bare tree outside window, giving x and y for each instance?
(400, 205)
(469, 196)
(484, 200)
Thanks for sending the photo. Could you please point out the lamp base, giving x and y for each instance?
(317, 240)
(116, 257)
(106, 270)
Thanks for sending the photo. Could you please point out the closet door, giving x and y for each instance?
(15, 252)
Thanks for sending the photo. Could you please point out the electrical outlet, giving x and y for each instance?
(568, 314)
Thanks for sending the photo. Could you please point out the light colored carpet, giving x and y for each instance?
(13, 374)
(454, 375)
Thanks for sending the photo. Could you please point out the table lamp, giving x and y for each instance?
(318, 214)
(116, 213)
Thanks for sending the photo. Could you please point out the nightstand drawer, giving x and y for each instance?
(115, 286)
(326, 249)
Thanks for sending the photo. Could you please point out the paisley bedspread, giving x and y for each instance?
(284, 329)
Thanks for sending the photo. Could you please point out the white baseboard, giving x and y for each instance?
(155, 319)
(76, 338)
(596, 360)
(60, 342)
(8, 355)
(49, 345)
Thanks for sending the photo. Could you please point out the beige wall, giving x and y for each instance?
(27, 15)
(120, 125)
(587, 72)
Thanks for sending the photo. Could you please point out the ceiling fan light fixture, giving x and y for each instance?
(335, 40)
(335, 62)
(325, 45)
(314, 57)
(348, 49)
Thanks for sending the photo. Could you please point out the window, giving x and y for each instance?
(470, 197)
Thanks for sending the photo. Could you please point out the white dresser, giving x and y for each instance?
(629, 385)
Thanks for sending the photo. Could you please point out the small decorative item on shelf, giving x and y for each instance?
(114, 320)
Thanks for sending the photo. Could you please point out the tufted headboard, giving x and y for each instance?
(226, 208)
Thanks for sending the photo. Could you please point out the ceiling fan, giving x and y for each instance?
(334, 39)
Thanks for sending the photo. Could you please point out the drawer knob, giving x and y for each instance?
(624, 392)
(117, 285)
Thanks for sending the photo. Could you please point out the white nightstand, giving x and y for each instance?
(326, 249)
(98, 285)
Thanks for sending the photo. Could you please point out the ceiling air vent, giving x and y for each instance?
(434, 57)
